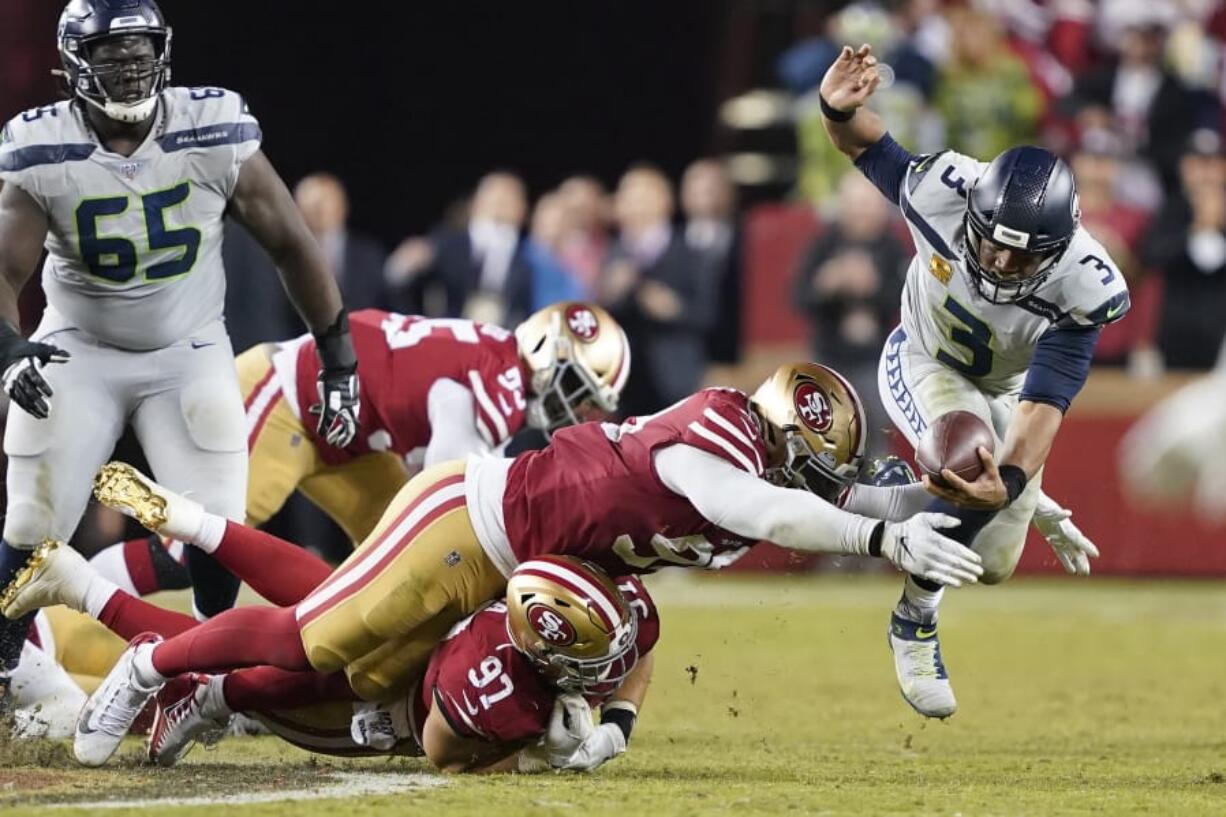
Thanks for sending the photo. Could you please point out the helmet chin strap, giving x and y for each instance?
(128, 112)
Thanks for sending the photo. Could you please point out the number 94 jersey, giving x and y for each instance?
(134, 245)
(942, 311)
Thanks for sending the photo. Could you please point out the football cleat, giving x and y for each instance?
(922, 678)
(109, 713)
(889, 471)
(55, 574)
(179, 722)
(120, 486)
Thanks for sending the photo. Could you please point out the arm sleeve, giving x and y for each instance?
(885, 164)
(750, 507)
(453, 423)
(893, 503)
(1060, 366)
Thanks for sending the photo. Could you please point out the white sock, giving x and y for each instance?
(97, 593)
(111, 564)
(213, 704)
(918, 603)
(212, 529)
(142, 668)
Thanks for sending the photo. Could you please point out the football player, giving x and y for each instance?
(1003, 306)
(565, 633)
(125, 184)
(694, 485)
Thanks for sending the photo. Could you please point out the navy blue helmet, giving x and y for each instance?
(84, 25)
(1020, 217)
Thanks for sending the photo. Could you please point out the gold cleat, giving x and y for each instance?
(26, 575)
(120, 486)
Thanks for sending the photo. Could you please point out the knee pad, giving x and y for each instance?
(212, 410)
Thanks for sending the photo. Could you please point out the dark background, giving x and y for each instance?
(410, 103)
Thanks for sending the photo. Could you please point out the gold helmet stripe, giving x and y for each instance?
(575, 582)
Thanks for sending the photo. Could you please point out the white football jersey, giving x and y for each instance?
(943, 312)
(134, 246)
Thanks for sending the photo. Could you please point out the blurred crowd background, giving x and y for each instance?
(668, 161)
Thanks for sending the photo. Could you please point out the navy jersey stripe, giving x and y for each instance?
(930, 235)
(35, 155)
(210, 136)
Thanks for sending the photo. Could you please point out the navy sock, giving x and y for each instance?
(12, 633)
(214, 589)
(972, 523)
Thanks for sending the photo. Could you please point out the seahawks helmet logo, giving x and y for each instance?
(813, 407)
(550, 626)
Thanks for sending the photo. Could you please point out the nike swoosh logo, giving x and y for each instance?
(920, 632)
(1115, 310)
(201, 345)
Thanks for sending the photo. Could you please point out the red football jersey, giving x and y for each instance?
(399, 358)
(489, 690)
(594, 492)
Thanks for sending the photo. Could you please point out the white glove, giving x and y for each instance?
(1073, 548)
(374, 726)
(569, 726)
(918, 547)
(604, 743)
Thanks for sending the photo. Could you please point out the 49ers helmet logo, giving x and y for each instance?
(582, 322)
(813, 407)
(551, 626)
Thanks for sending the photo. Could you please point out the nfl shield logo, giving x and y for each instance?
(129, 169)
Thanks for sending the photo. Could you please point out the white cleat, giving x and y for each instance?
(922, 678)
(55, 574)
(116, 703)
(120, 486)
(180, 721)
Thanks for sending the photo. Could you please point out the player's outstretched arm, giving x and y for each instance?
(848, 84)
(265, 207)
(23, 228)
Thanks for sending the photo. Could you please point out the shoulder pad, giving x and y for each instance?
(920, 167)
(43, 136)
(1092, 289)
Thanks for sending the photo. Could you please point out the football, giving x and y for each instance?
(952, 442)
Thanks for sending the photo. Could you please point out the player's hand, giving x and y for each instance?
(918, 547)
(851, 80)
(21, 361)
(1073, 548)
(986, 493)
(606, 742)
(570, 724)
(339, 406)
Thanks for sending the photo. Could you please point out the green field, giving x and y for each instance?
(777, 697)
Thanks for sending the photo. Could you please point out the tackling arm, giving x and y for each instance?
(455, 754)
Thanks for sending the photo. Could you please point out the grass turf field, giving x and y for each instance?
(777, 697)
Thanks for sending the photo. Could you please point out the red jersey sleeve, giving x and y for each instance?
(490, 694)
(640, 601)
(719, 423)
(498, 388)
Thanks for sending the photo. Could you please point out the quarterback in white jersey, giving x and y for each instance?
(125, 185)
(1002, 308)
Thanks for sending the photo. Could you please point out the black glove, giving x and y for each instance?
(339, 394)
(20, 360)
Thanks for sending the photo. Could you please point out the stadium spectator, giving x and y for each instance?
(1134, 94)
(478, 271)
(586, 242)
(1188, 244)
(552, 279)
(984, 91)
(713, 234)
(849, 283)
(1120, 228)
(656, 288)
(356, 260)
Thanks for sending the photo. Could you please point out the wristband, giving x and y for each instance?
(874, 540)
(1015, 481)
(336, 347)
(621, 714)
(834, 114)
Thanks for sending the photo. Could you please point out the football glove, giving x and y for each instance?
(569, 725)
(339, 404)
(21, 361)
(1072, 547)
(918, 547)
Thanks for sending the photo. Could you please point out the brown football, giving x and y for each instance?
(952, 442)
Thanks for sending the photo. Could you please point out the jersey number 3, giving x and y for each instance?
(971, 334)
(115, 259)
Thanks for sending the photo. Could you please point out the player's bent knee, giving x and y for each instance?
(213, 413)
(324, 659)
(28, 523)
(369, 688)
(998, 567)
